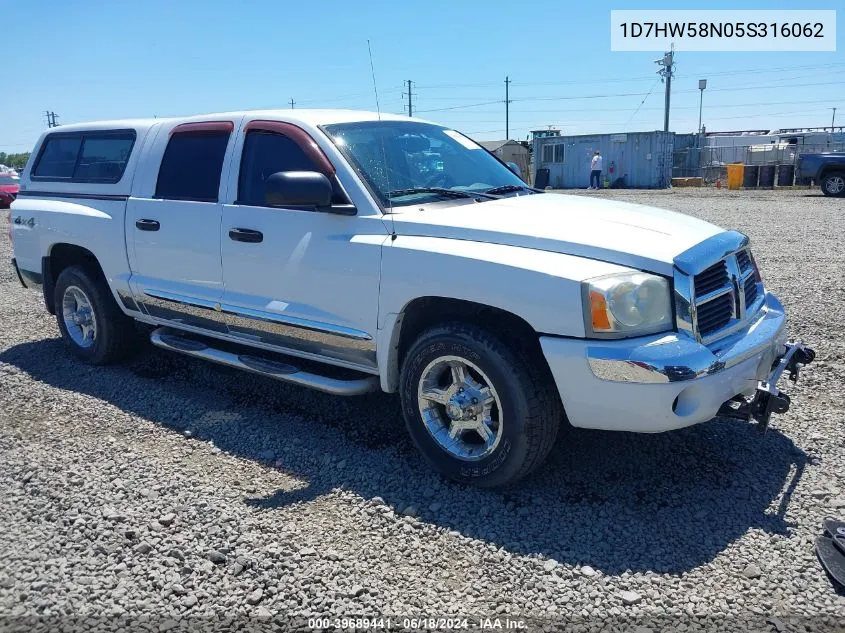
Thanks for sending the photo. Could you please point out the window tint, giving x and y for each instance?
(264, 154)
(191, 167)
(85, 157)
(103, 158)
(58, 158)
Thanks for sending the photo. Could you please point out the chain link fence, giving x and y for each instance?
(766, 165)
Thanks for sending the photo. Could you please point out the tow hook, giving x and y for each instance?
(768, 399)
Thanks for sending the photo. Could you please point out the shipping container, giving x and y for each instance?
(640, 160)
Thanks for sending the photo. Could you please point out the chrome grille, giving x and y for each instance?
(750, 290)
(715, 314)
(711, 279)
(716, 287)
(744, 260)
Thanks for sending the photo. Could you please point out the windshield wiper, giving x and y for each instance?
(510, 189)
(442, 191)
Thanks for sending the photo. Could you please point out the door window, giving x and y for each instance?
(264, 154)
(192, 164)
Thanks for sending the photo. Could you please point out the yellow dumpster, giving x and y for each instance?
(735, 175)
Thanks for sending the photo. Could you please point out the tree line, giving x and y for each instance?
(17, 161)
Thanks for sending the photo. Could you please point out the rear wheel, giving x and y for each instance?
(479, 412)
(833, 184)
(91, 323)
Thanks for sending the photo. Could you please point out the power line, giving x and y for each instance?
(472, 105)
(721, 73)
(643, 101)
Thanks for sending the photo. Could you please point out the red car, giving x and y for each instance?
(9, 187)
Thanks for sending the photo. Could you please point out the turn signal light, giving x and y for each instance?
(598, 311)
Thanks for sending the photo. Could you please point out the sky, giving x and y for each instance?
(91, 60)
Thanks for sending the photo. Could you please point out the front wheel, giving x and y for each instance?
(833, 184)
(91, 323)
(479, 412)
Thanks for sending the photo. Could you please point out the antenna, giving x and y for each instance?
(373, 72)
(383, 152)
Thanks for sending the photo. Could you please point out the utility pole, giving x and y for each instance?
(291, 102)
(507, 108)
(666, 73)
(702, 84)
(51, 118)
(410, 104)
(833, 121)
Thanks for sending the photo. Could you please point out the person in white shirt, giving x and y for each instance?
(595, 171)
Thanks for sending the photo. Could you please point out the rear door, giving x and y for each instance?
(173, 223)
(300, 280)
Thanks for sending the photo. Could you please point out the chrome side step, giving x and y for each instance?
(167, 339)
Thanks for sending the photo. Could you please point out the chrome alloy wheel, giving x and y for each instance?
(835, 185)
(460, 408)
(78, 315)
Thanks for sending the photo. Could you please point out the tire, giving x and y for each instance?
(524, 416)
(83, 291)
(833, 184)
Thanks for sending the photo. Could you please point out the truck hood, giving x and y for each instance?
(634, 235)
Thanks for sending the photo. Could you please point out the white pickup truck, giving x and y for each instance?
(350, 251)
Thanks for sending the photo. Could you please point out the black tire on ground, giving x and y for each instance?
(833, 184)
(116, 335)
(531, 410)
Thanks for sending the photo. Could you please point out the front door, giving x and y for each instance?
(302, 281)
(173, 228)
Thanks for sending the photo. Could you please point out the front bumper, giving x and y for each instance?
(663, 382)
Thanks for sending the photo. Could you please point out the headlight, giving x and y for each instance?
(626, 304)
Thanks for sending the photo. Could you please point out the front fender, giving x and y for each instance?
(541, 287)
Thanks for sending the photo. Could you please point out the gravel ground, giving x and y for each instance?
(169, 492)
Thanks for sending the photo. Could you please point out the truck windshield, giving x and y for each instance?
(407, 162)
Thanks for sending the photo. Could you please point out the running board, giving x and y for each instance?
(167, 339)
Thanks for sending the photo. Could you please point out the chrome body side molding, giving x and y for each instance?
(324, 342)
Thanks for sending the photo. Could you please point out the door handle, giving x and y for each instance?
(246, 235)
(147, 225)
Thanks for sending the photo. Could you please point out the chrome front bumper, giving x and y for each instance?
(678, 357)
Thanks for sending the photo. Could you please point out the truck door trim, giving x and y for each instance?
(292, 335)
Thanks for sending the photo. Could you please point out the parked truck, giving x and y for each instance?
(321, 249)
(827, 170)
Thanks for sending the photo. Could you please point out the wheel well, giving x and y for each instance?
(425, 312)
(61, 256)
(829, 169)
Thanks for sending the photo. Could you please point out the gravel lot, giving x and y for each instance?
(169, 491)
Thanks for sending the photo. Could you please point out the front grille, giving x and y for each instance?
(743, 259)
(750, 291)
(711, 279)
(715, 314)
(717, 288)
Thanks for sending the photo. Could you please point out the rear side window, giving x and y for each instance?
(264, 154)
(191, 167)
(84, 157)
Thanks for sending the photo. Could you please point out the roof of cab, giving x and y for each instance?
(312, 117)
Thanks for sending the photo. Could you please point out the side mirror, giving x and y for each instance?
(298, 189)
(515, 169)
